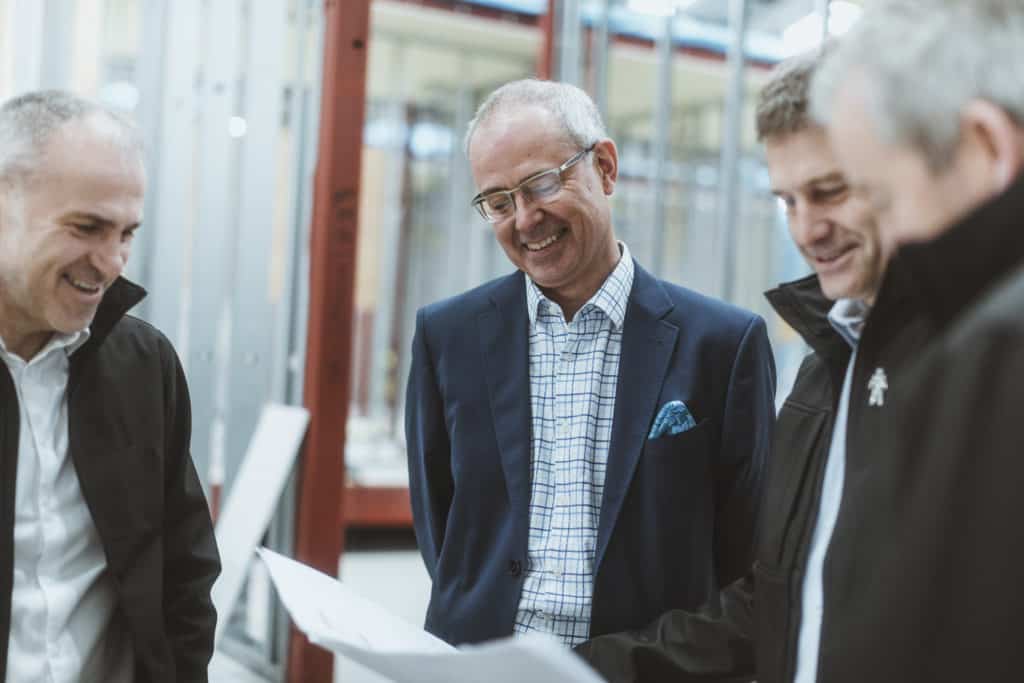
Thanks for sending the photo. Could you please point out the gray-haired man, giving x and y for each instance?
(107, 553)
(925, 107)
(586, 442)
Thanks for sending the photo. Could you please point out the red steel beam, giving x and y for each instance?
(377, 506)
(319, 535)
(546, 58)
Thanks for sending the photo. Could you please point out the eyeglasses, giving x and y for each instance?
(498, 205)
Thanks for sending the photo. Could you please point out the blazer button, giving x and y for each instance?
(515, 567)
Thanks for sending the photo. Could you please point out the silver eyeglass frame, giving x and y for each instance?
(478, 201)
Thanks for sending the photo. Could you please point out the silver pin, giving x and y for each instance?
(877, 385)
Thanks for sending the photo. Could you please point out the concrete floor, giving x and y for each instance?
(395, 579)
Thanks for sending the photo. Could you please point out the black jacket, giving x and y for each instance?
(927, 555)
(129, 424)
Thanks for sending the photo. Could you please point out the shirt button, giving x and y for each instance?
(563, 428)
(557, 572)
(515, 567)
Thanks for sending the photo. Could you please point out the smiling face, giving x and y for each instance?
(833, 228)
(565, 243)
(65, 232)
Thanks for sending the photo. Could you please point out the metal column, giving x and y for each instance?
(212, 242)
(567, 41)
(662, 141)
(58, 29)
(545, 65)
(318, 541)
(729, 195)
(462, 221)
(599, 46)
(149, 79)
(822, 8)
(25, 34)
(559, 57)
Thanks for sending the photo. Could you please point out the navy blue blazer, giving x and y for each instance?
(678, 513)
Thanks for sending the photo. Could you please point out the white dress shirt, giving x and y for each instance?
(847, 317)
(64, 626)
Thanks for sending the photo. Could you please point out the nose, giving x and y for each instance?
(527, 213)
(809, 224)
(110, 255)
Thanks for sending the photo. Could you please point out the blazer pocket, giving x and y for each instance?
(695, 437)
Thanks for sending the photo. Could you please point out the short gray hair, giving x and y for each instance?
(571, 107)
(784, 102)
(28, 121)
(923, 61)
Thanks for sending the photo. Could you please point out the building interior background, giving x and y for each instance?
(227, 94)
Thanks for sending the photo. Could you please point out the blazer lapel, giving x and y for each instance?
(504, 338)
(648, 342)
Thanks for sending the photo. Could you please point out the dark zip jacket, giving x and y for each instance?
(129, 426)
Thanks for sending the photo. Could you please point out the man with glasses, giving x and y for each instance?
(586, 442)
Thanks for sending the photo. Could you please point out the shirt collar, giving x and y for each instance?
(611, 298)
(847, 317)
(68, 342)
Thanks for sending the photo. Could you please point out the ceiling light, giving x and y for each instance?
(805, 33)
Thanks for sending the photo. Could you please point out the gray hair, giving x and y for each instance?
(571, 107)
(784, 102)
(28, 121)
(923, 61)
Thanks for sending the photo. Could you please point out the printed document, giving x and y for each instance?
(335, 617)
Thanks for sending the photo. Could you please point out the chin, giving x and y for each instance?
(70, 325)
(836, 290)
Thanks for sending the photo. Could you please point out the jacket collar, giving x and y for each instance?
(805, 308)
(122, 296)
(951, 271)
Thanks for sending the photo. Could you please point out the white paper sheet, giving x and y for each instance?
(336, 618)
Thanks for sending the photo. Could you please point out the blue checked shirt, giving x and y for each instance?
(574, 368)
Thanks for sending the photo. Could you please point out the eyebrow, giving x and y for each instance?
(98, 219)
(484, 193)
(830, 177)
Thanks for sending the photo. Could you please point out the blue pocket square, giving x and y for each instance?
(673, 418)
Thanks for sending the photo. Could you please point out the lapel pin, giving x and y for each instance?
(877, 385)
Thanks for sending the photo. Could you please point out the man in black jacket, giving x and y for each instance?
(925, 104)
(107, 552)
(837, 235)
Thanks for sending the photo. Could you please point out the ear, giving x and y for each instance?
(998, 138)
(606, 160)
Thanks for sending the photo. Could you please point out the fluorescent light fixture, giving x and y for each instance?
(237, 127)
(661, 8)
(805, 33)
(121, 95)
